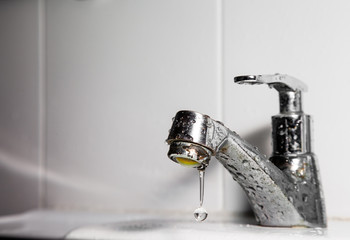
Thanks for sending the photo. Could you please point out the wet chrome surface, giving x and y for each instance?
(284, 190)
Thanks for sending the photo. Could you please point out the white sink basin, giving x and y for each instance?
(167, 229)
(78, 225)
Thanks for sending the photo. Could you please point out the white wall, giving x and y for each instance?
(117, 71)
(19, 106)
(306, 39)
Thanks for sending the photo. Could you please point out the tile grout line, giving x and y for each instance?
(42, 103)
(220, 91)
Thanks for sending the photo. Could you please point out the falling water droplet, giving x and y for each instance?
(200, 213)
(201, 186)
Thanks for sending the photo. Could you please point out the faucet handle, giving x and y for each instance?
(281, 82)
(289, 89)
(291, 128)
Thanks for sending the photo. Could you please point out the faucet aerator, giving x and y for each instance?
(189, 154)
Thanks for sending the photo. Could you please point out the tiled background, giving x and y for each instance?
(88, 90)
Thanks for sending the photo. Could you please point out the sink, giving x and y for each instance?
(58, 224)
(219, 226)
(176, 229)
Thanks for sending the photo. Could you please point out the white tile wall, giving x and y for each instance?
(117, 71)
(306, 39)
(19, 111)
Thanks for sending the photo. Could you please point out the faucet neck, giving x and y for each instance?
(290, 102)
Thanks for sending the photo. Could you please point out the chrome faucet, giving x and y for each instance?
(284, 190)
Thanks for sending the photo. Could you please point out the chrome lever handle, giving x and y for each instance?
(281, 82)
(290, 89)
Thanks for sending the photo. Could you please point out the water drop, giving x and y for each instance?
(296, 187)
(241, 176)
(305, 197)
(200, 214)
(201, 187)
(245, 163)
(209, 124)
(264, 217)
(257, 219)
(188, 137)
(251, 188)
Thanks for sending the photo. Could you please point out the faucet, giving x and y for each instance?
(284, 190)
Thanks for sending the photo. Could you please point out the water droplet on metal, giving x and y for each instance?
(241, 176)
(305, 197)
(209, 124)
(290, 198)
(245, 163)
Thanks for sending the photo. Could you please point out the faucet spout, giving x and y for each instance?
(277, 199)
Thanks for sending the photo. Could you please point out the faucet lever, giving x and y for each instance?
(281, 82)
(290, 89)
